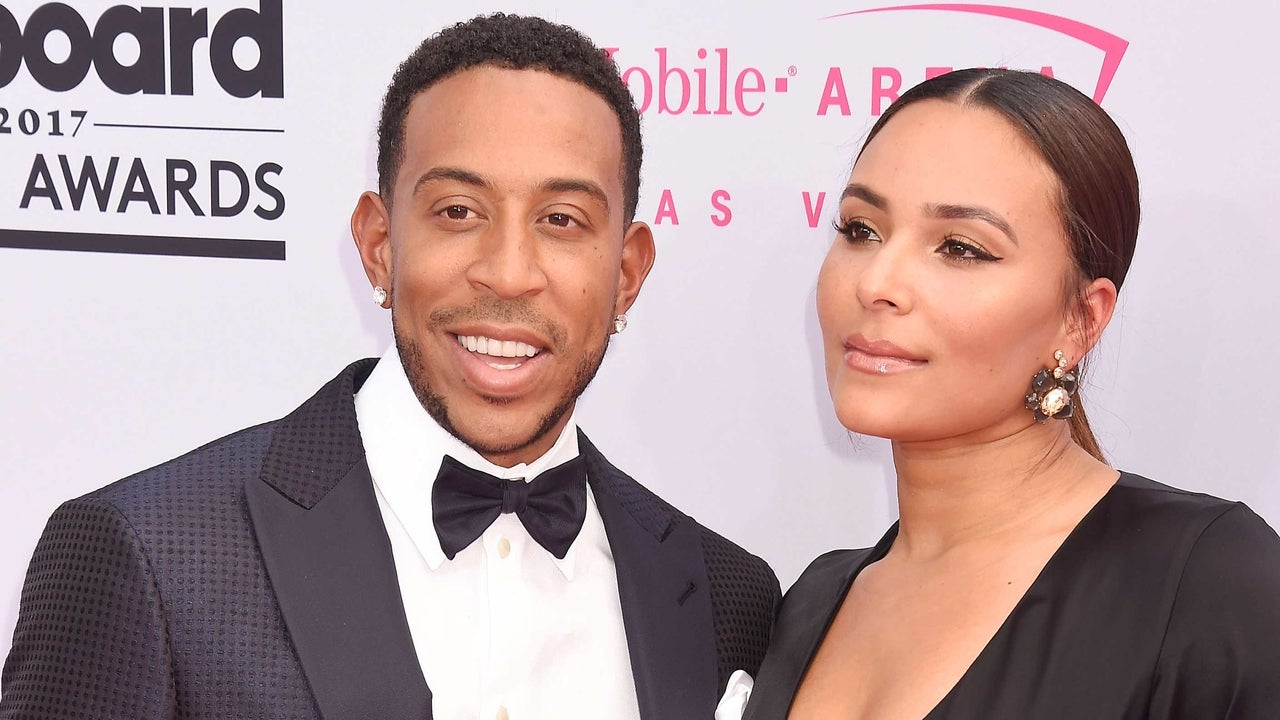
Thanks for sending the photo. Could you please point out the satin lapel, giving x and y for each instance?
(666, 601)
(807, 611)
(329, 562)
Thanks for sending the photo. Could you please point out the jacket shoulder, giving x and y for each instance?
(214, 471)
(734, 569)
(745, 596)
(90, 639)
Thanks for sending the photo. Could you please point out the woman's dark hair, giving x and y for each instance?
(1097, 181)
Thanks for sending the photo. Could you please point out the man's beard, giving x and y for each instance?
(415, 369)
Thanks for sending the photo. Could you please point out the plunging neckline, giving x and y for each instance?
(1042, 578)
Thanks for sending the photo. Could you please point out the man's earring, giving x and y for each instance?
(1051, 391)
(379, 296)
(620, 323)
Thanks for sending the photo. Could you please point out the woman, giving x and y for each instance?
(985, 231)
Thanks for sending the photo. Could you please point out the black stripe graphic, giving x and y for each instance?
(143, 244)
(189, 127)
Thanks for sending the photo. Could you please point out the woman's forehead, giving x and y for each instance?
(937, 151)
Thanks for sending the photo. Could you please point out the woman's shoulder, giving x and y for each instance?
(830, 573)
(1219, 656)
(832, 567)
(1169, 512)
(1154, 492)
(1223, 559)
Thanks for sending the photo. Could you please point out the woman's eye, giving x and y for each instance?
(456, 212)
(960, 250)
(856, 231)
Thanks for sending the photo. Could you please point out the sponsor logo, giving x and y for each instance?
(886, 82)
(709, 83)
(161, 67)
(713, 82)
(179, 52)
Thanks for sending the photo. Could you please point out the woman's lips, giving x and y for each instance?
(879, 357)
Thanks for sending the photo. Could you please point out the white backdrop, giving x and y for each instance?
(715, 396)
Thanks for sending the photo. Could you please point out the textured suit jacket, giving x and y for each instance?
(253, 578)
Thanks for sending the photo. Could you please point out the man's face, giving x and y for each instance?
(505, 253)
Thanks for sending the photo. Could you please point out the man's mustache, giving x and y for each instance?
(502, 312)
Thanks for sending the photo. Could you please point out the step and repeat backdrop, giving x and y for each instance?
(175, 260)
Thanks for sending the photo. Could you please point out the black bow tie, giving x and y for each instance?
(465, 502)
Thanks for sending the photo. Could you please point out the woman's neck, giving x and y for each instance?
(1033, 480)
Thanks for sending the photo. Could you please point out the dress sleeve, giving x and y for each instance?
(1221, 652)
(90, 640)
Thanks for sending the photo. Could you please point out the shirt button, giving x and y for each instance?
(502, 710)
(504, 549)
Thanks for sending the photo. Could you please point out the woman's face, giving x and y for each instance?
(943, 294)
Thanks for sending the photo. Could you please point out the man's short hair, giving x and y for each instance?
(518, 43)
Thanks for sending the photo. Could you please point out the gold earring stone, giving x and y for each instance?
(1051, 392)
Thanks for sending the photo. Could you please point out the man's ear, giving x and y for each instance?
(370, 227)
(637, 260)
(1085, 324)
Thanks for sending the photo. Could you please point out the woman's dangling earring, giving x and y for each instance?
(1052, 391)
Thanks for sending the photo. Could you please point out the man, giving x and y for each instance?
(429, 533)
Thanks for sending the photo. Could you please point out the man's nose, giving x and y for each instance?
(508, 262)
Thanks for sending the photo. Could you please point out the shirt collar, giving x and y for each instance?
(404, 446)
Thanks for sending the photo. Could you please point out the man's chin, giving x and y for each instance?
(496, 429)
(507, 446)
(486, 423)
(490, 446)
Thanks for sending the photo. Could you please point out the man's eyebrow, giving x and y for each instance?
(447, 173)
(575, 185)
(971, 212)
(866, 194)
(551, 185)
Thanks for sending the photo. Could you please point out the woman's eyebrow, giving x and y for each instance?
(971, 212)
(866, 194)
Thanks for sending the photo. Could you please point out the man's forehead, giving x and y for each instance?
(487, 83)
(497, 121)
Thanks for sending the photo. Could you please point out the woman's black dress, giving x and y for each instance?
(1160, 604)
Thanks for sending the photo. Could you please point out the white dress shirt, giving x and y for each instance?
(504, 630)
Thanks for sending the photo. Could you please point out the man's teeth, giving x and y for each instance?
(496, 348)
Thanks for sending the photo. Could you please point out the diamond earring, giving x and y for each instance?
(379, 296)
(1051, 391)
(620, 323)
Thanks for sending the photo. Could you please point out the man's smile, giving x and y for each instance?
(497, 348)
(497, 365)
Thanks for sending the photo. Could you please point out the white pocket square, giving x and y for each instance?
(736, 693)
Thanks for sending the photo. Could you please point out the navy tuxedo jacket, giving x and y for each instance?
(253, 578)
